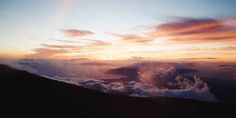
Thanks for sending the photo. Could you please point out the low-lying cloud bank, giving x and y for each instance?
(143, 79)
(197, 89)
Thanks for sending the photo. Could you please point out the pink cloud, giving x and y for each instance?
(73, 33)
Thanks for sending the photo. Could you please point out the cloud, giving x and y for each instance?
(52, 51)
(156, 73)
(230, 48)
(49, 51)
(129, 73)
(97, 45)
(154, 78)
(152, 72)
(187, 30)
(197, 89)
(91, 47)
(177, 34)
(228, 65)
(96, 64)
(197, 30)
(74, 33)
(94, 84)
(91, 75)
(72, 41)
(132, 38)
(200, 58)
(46, 53)
(58, 46)
(229, 68)
(77, 69)
(190, 26)
(43, 67)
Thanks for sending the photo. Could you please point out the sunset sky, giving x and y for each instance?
(119, 29)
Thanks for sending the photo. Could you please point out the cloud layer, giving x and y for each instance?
(146, 79)
(180, 38)
(197, 89)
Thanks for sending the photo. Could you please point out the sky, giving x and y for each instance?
(119, 29)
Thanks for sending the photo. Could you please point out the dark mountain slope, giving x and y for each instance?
(22, 93)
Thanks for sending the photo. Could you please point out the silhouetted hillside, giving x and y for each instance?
(25, 93)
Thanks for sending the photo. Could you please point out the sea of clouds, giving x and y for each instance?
(143, 79)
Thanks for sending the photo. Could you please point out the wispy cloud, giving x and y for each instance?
(58, 46)
(197, 30)
(231, 48)
(96, 46)
(185, 37)
(50, 51)
(187, 30)
(46, 53)
(75, 33)
(132, 38)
